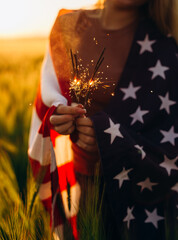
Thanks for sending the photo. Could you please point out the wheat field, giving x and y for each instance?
(20, 63)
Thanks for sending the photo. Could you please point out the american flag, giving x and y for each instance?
(137, 135)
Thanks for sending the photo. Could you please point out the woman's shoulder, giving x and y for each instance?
(75, 20)
(65, 22)
(66, 17)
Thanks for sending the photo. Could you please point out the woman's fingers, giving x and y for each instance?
(84, 122)
(65, 129)
(87, 139)
(61, 109)
(61, 119)
(87, 147)
(85, 126)
(71, 129)
(86, 135)
(86, 130)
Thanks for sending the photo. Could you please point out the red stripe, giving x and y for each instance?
(46, 125)
(66, 175)
(41, 108)
(54, 135)
(73, 222)
(47, 203)
(37, 170)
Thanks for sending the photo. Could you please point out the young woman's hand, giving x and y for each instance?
(86, 134)
(63, 118)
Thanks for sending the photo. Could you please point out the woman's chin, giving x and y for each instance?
(128, 3)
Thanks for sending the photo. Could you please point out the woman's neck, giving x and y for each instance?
(113, 18)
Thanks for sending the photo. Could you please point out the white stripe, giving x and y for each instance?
(63, 150)
(40, 150)
(50, 89)
(45, 191)
(58, 233)
(75, 193)
(35, 125)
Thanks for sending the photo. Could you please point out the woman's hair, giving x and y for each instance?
(163, 12)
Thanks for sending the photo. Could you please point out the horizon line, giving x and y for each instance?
(16, 37)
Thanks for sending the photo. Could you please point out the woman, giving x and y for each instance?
(136, 127)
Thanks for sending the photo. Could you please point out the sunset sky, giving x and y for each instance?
(19, 18)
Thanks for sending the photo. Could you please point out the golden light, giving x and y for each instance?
(33, 17)
(91, 82)
(78, 82)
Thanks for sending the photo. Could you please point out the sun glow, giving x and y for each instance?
(32, 17)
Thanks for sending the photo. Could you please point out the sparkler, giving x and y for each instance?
(82, 87)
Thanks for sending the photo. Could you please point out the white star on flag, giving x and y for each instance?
(123, 176)
(169, 164)
(146, 45)
(138, 115)
(129, 217)
(147, 184)
(175, 188)
(166, 103)
(130, 92)
(169, 136)
(113, 130)
(152, 217)
(158, 70)
(140, 148)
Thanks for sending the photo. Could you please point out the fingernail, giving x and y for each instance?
(81, 106)
(82, 110)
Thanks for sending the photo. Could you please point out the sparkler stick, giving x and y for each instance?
(100, 57)
(75, 70)
(72, 58)
(96, 68)
(76, 65)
